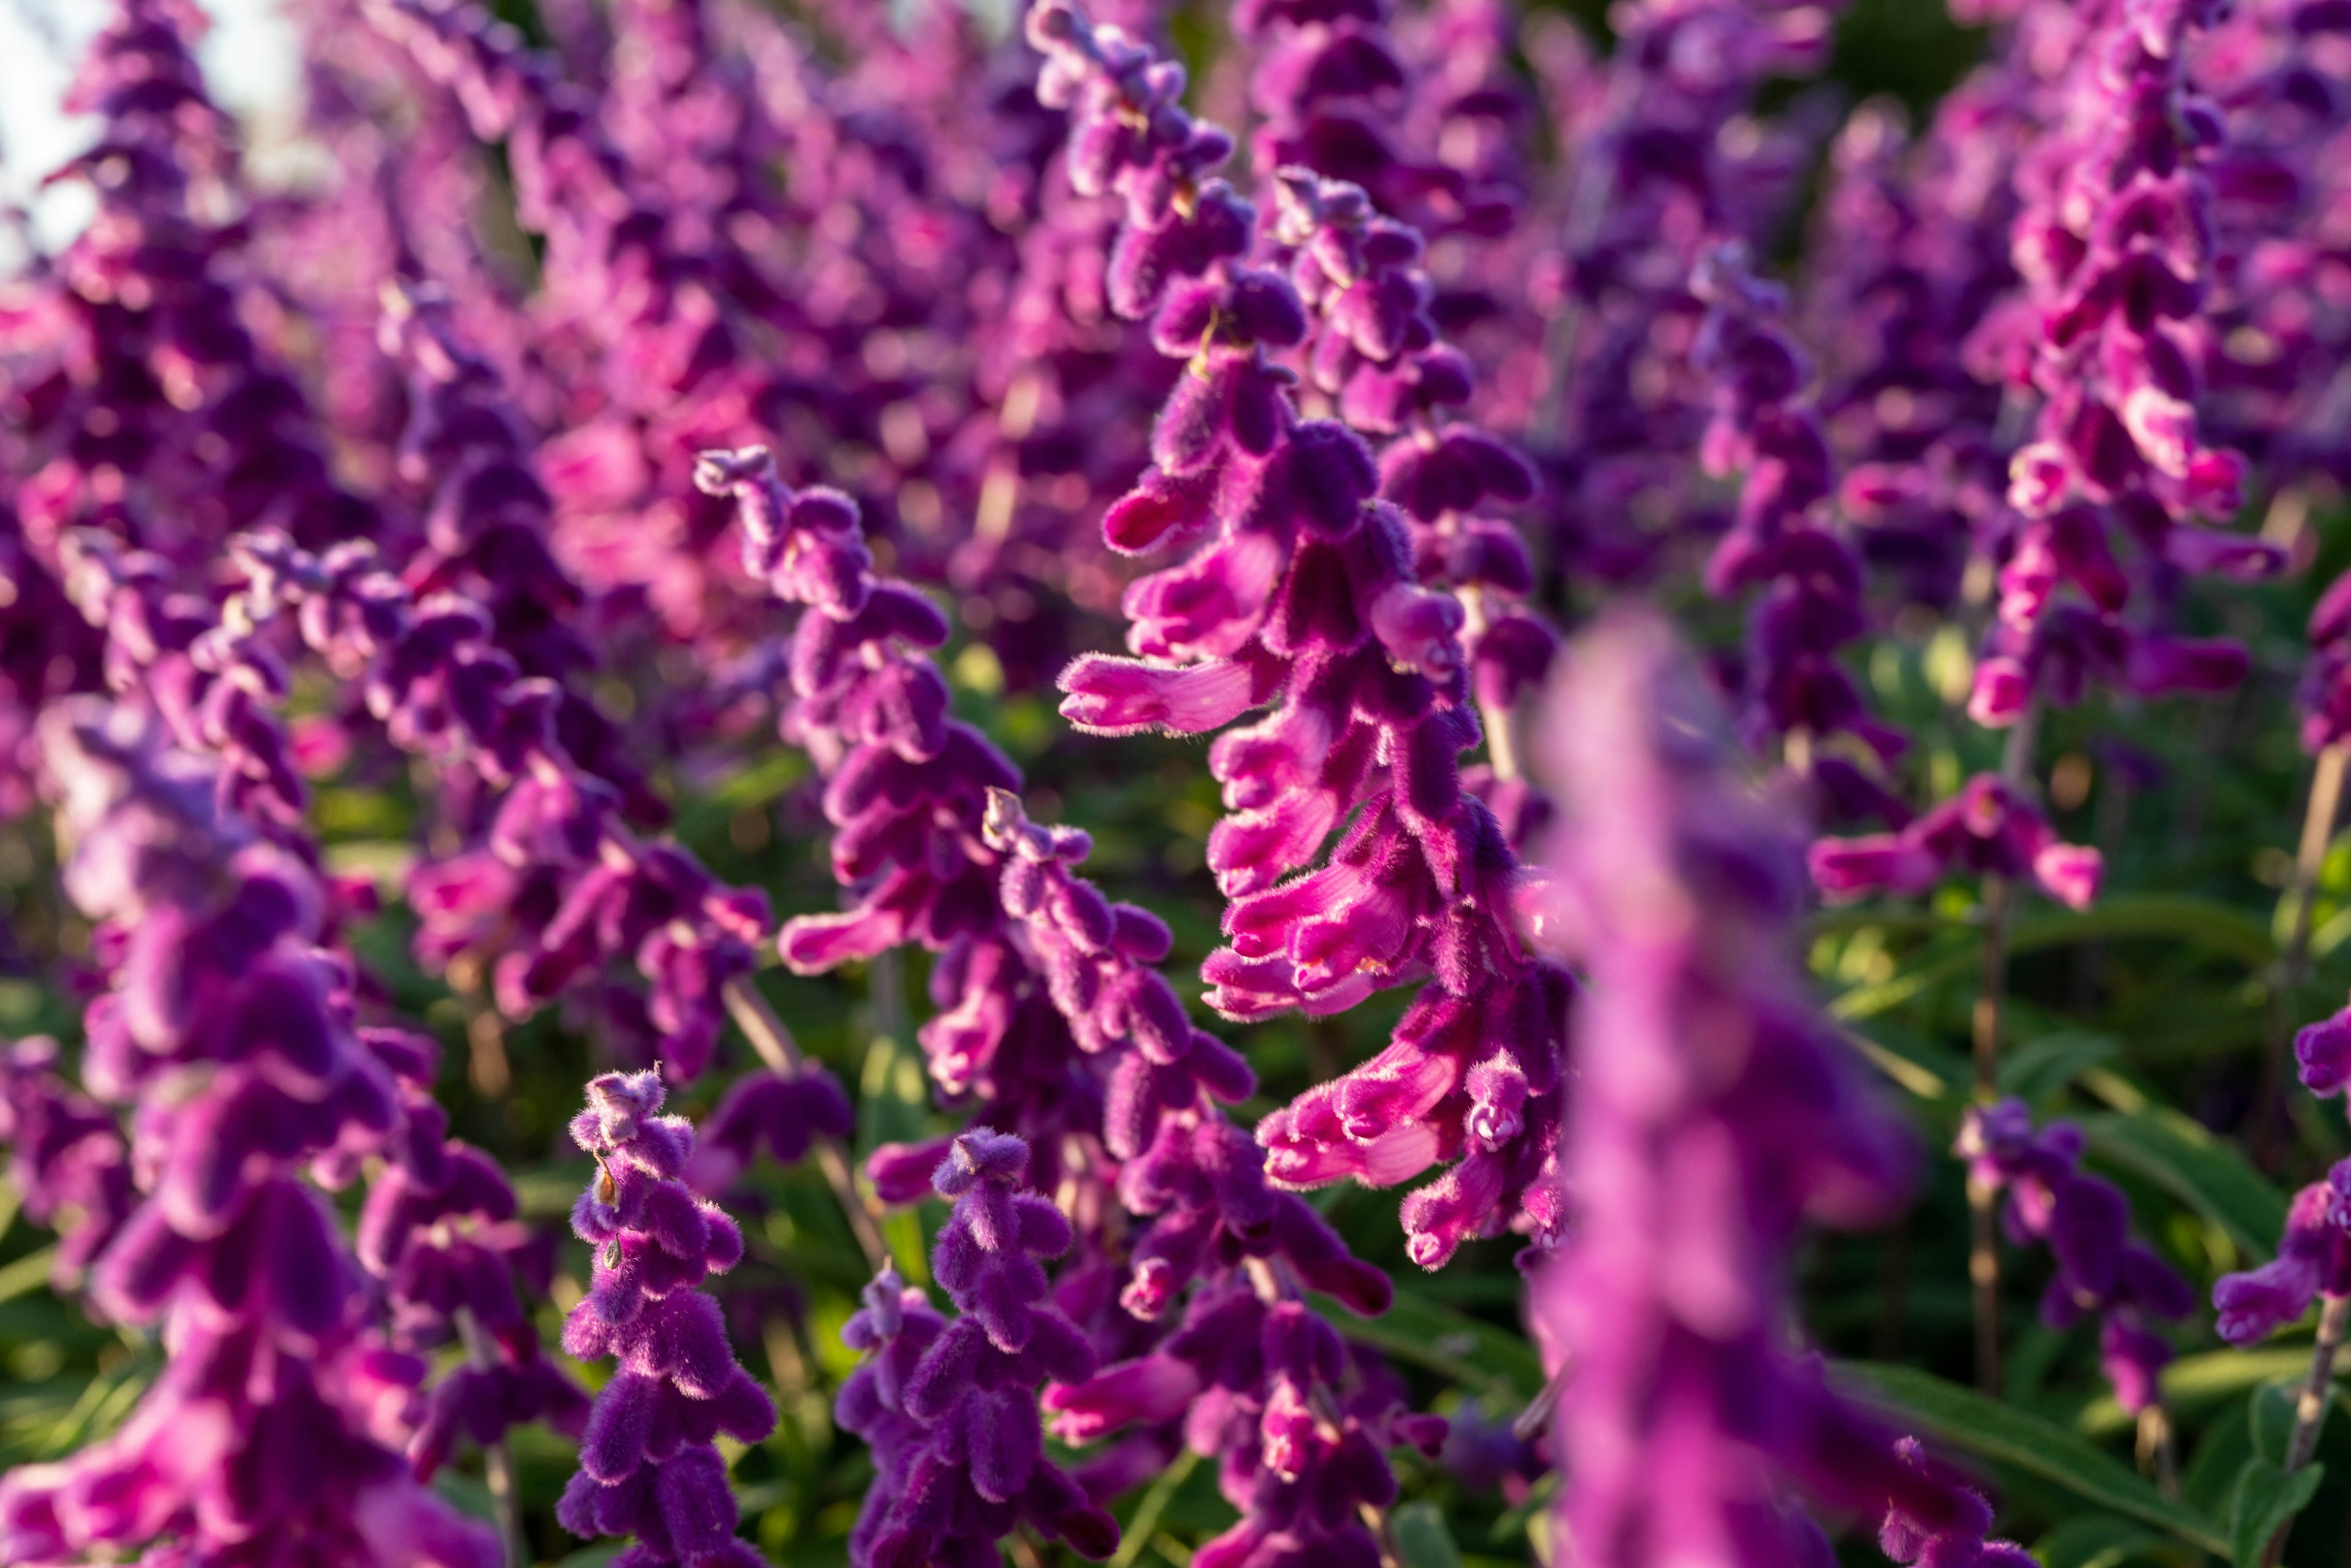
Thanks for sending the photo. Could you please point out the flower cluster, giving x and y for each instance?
(2085, 1221)
(1709, 1087)
(637, 468)
(440, 1230)
(1989, 828)
(649, 1460)
(270, 1420)
(950, 1407)
(2114, 242)
(1301, 592)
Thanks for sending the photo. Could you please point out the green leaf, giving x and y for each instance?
(1472, 1352)
(1941, 961)
(2095, 1541)
(2271, 1412)
(2041, 1068)
(2264, 1502)
(2208, 1176)
(2218, 927)
(1962, 1419)
(26, 1274)
(755, 786)
(1421, 1539)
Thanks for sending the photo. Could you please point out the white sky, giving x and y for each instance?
(249, 57)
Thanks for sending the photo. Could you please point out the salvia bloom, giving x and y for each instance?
(1765, 425)
(2113, 241)
(272, 1418)
(2312, 1262)
(649, 1461)
(1956, 1540)
(906, 789)
(951, 1407)
(2085, 1221)
(1989, 827)
(1301, 592)
(65, 1157)
(440, 1230)
(2313, 1255)
(1714, 1112)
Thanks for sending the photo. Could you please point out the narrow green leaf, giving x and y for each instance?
(1962, 1419)
(2265, 1501)
(1941, 961)
(26, 1274)
(1421, 1539)
(1138, 1531)
(2271, 1412)
(2095, 1541)
(2208, 1176)
(2218, 927)
(2043, 1067)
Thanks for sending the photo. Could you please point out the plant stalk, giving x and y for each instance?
(497, 1459)
(2293, 964)
(2310, 1409)
(1989, 1023)
(777, 1048)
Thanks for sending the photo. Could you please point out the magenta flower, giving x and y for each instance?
(1303, 591)
(2314, 1260)
(1714, 1111)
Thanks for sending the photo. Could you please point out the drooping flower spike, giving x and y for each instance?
(649, 1460)
(1301, 591)
(277, 1414)
(951, 1407)
(2084, 1220)
(1714, 1112)
(2118, 484)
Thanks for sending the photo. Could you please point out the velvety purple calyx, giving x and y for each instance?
(950, 1407)
(2314, 1260)
(650, 1466)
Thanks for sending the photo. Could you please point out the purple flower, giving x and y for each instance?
(2314, 1259)
(950, 1407)
(2114, 243)
(67, 1157)
(2084, 1220)
(439, 1228)
(1304, 591)
(1714, 1113)
(1956, 1543)
(1987, 827)
(215, 989)
(649, 1461)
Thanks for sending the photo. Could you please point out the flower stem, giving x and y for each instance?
(498, 1459)
(1989, 1021)
(2155, 1444)
(2294, 963)
(777, 1048)
(2310, 1409)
